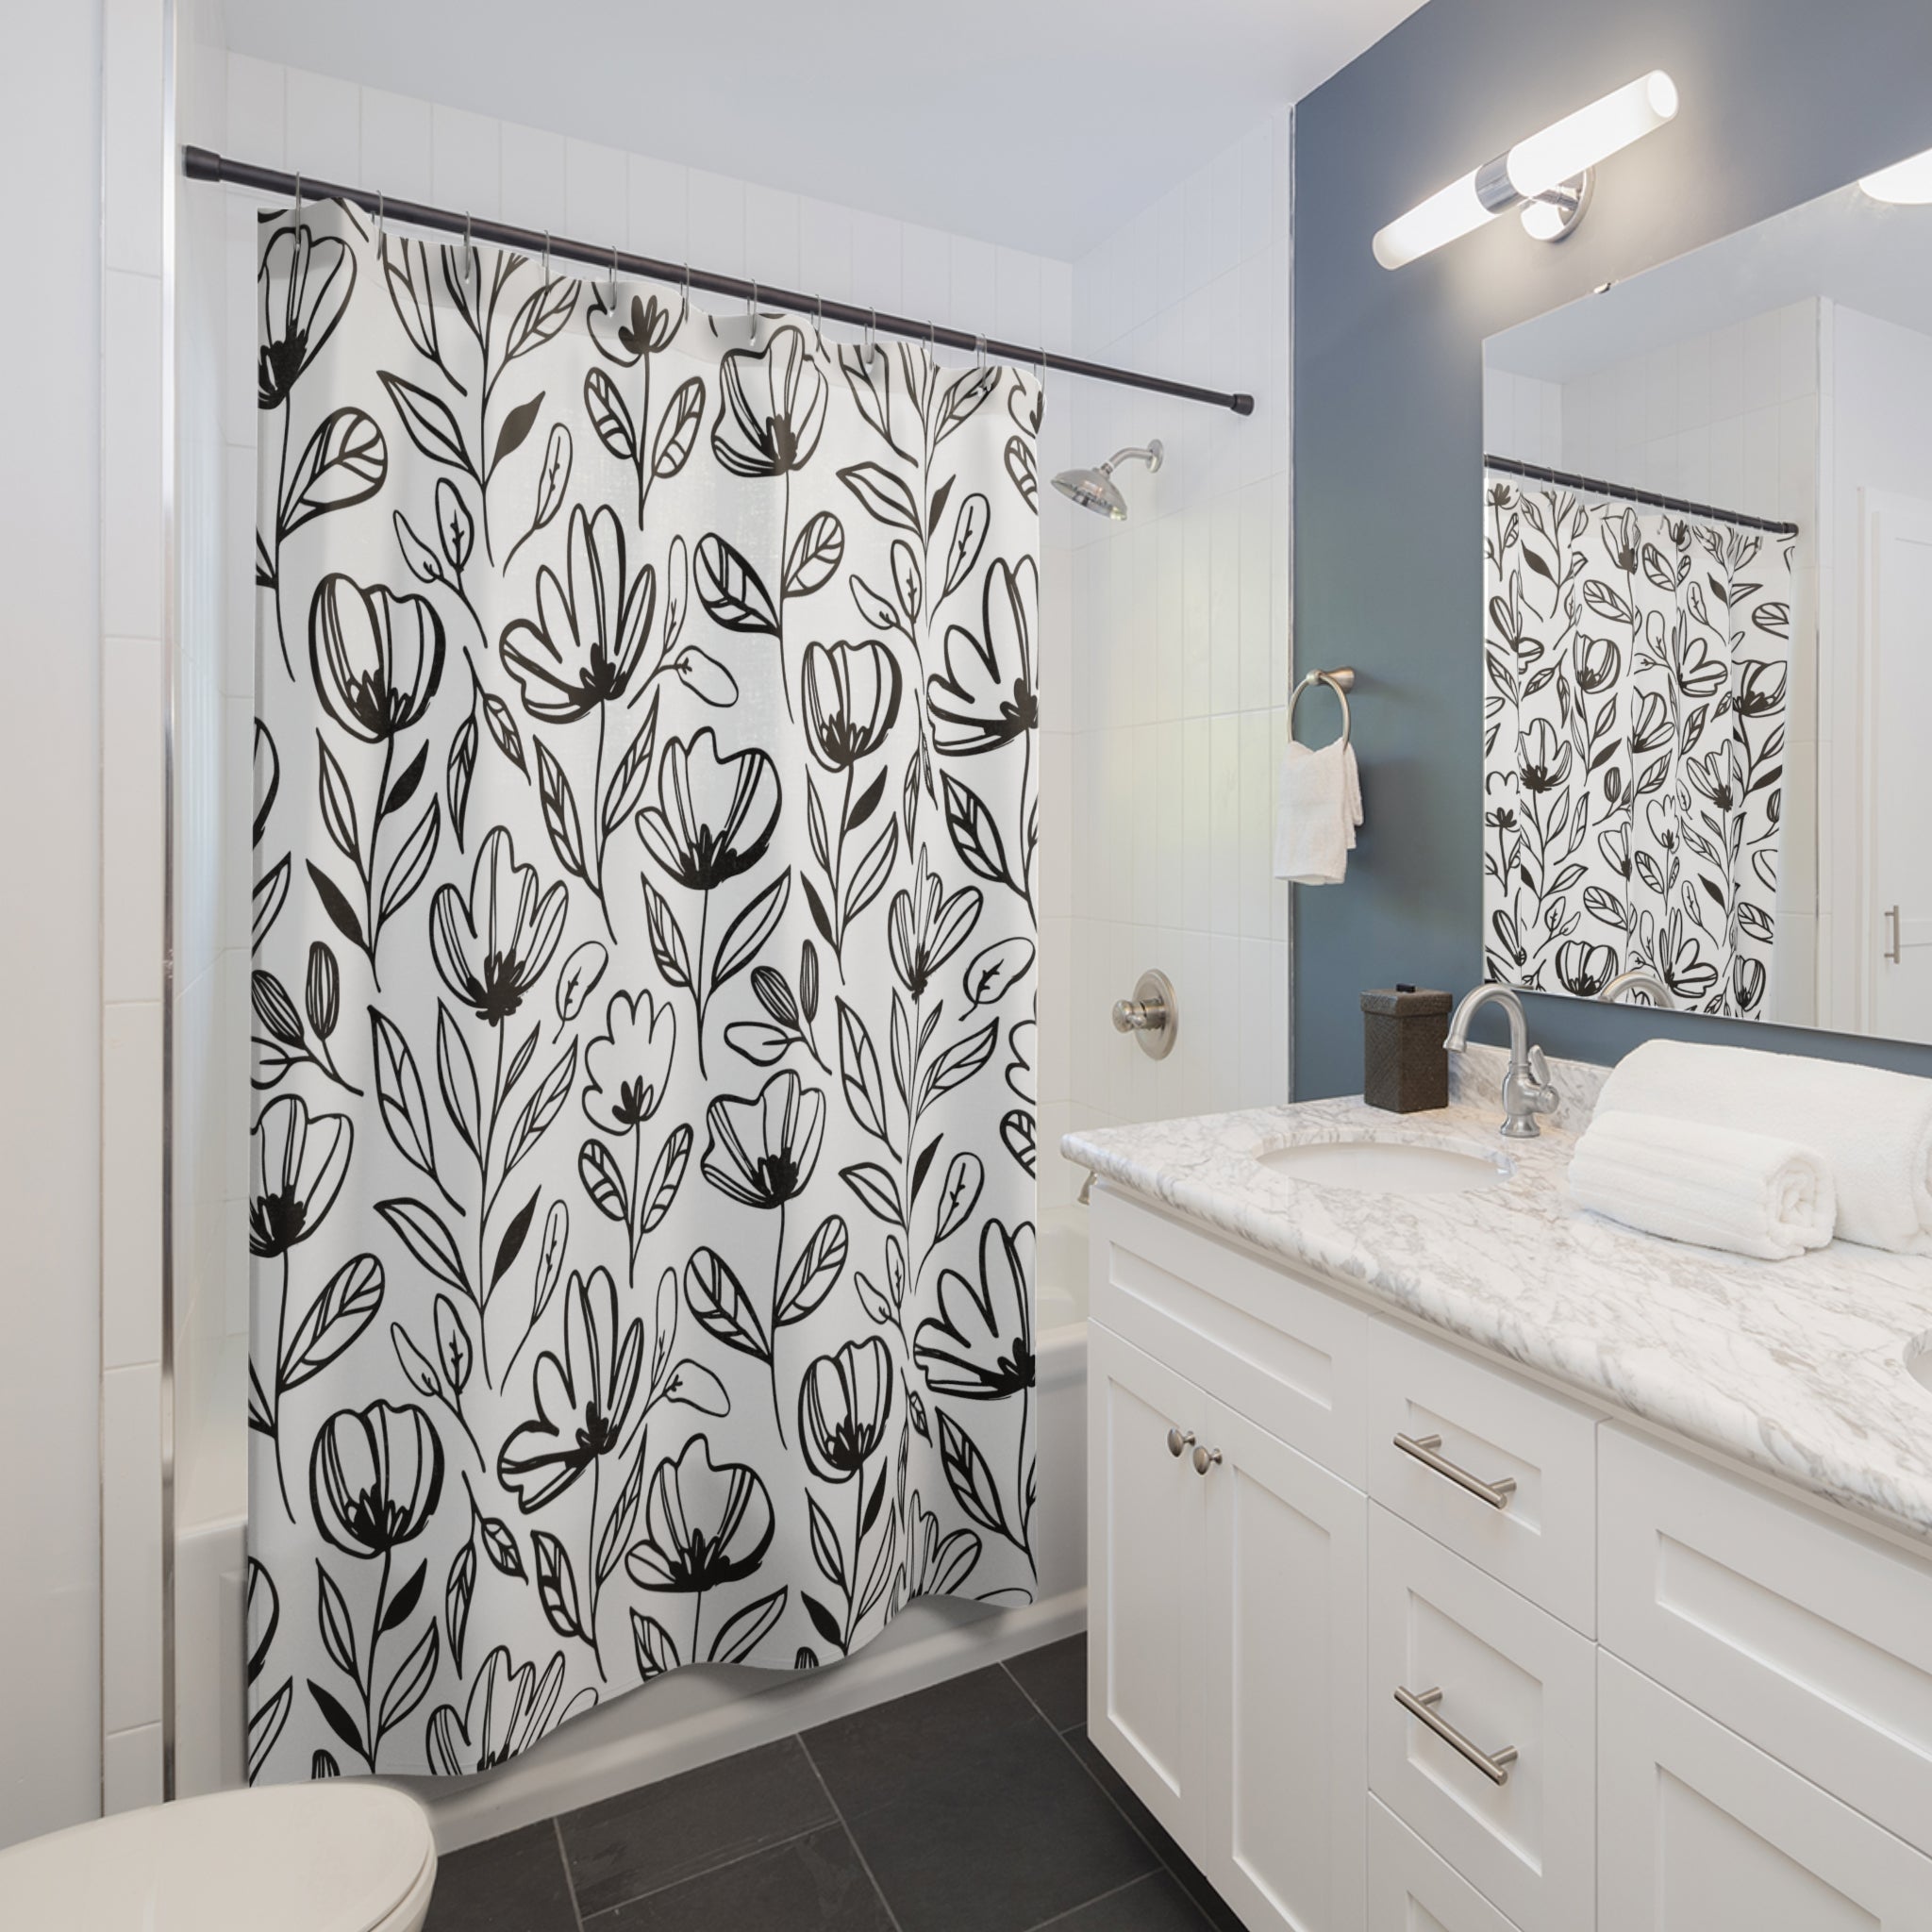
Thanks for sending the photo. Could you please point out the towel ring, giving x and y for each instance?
(1340, 682)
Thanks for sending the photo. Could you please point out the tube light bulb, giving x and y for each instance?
(1909, 183)
(1593, 134)
(1447, 213)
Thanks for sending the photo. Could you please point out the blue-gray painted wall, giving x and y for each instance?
(1781, 101)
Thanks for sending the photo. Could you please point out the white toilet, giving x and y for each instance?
(329, 1856)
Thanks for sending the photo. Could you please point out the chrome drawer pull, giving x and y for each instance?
(1178, 1443)
(1424, 1448)
(1494, 1765)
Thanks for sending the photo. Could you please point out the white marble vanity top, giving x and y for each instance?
(1797, 1366)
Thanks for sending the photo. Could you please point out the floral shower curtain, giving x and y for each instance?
(643, 1167)
(1635, 668)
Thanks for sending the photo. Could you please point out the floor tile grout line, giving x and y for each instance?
(1160, 1857)
(777, 1845)
(1039, 1709)
(570, 1883)
(1098, 1899)
(851, 1836)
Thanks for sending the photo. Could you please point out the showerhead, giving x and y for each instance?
(1095, 490)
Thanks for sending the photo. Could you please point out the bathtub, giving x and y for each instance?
(693, 1716)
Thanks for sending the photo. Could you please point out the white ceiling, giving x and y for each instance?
(1040, 124)
(1862, 252)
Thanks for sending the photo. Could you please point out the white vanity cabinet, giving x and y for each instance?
(1644, 1694)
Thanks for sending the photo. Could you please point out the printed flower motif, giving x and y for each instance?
(583, 1402)
(704, 1524)
(988, 697)
(1542, 759)
(1698, 672)
(627, 1064)
(297, 1169)
(1651, 728)
(375, 1477)
(377, 659)
(1747, 984)
(1614, 843)
(981, 1348)
(924, 927)
(761, 1152)
(494, 949)
(843, 1406)
(508, 1711)
(714, 816)
(305, 280)
(1623, 541)
(1688, 974)
(1715, 776)
(1597, 662)
(850, 694)
(643, 329)
(771, 406)
(584, 647)
(1501, 496)
(1761, 689)
(1584, 969)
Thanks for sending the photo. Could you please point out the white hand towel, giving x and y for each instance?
(1319, 806)
(1874, 1129)
(1720, 1187)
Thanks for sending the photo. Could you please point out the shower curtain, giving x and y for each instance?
(1634, 666)
(641, 1190)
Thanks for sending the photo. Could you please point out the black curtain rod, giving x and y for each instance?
(1596, 486)
(203, 165)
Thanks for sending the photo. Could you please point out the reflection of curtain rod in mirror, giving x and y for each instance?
(1596, 486)
(1547, 176)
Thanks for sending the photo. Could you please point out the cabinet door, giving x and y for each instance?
(1286, 1656)
(1699, 1831)
(1411, 1889)
(1146, 1598)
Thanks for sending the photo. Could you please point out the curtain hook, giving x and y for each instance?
(932, 340)
(546, 257)
(613, 276)
(684, 315)
(381, 232)
(872, 333)
(818, 326)
(979, 352)
(298, 197)
(751, 310)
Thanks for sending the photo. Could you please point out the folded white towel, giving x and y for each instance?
(1318, 808)
(1874, 1129)
(1720, 1187)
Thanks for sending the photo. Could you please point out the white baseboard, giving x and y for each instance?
(697, 1716)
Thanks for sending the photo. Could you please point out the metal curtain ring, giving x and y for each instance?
(872, 334)
(381, 233)
(1339, 682)
(546, 255)
(684, 315)
(818, 326)
(298, 195)
(613, 274)
(979, 351)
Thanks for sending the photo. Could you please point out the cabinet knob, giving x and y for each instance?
(1178, 1444)
(1205, 1459)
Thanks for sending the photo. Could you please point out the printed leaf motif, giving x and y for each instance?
(516, 429)
(975, 838)
(744, 938)
(559, 811)
(557, 1584)
(667, 1172)
(672, 447)
(342, 464)
(597, 1170)
(428, 422)
(334, 1320)
(457, 1596)
(542, 1108)
(742, 1634)
(411, 1684)
(885, 496)
(716, 1298)
(423, 1233)
(816, 553)
(814, 1274)
(969, 1477)
(732, 592)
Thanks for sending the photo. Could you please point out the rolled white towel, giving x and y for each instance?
(1720, 1187)
(1874, 1129)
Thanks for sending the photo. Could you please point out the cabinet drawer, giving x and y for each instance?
(1699, 1829)
(1283, 1352)
(1534, 1453)
(1813, 1641)
(1411, 1889)
(1510, 1676)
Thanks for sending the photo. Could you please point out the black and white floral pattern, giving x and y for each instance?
(645, 925)
(1635, 672)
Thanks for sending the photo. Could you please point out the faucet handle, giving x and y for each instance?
(1539, 1067)
(1542, 1098)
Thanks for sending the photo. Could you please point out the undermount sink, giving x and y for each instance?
(1919, 1360)
(1386, 1167)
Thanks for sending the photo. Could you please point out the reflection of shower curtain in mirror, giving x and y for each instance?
(643, 1184)
(1634, 666)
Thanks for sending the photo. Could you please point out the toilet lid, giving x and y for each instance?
(320, 1858)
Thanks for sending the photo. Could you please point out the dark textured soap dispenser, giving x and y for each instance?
(1404, 1061)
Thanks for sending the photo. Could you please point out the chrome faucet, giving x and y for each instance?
(1527, 1090)
(1638, 980)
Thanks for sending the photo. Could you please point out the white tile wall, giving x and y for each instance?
(1175, 714)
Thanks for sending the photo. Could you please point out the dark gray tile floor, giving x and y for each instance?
(978, 1806)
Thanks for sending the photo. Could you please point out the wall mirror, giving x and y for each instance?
(1707, 626)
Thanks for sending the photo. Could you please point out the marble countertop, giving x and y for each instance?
(1796, 1367)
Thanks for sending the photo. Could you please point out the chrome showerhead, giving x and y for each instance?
(1095, 490)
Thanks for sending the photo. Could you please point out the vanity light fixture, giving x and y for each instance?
(1548, 176)
(1906, 183)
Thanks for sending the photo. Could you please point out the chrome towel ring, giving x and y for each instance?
(1341, 681)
